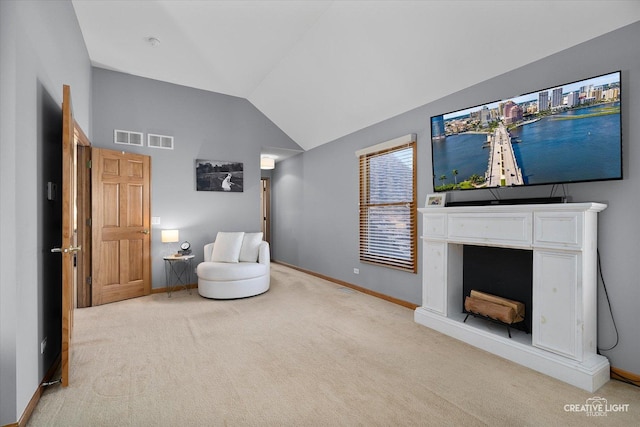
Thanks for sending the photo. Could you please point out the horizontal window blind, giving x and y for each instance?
(388, 217)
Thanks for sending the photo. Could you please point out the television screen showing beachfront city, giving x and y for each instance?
(564, 134)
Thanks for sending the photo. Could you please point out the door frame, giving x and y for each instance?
(83, 289)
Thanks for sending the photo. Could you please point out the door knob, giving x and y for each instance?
(145, 231)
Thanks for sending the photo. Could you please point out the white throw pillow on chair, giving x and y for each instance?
(227, 246)
(250, 247)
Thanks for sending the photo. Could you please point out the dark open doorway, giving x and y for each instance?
(265, 208)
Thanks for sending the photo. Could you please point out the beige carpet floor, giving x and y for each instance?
(306, 353)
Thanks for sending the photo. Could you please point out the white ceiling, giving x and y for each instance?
(323, 69)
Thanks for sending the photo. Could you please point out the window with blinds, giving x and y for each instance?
(388, 217)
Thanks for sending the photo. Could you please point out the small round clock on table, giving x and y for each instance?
(185, 248)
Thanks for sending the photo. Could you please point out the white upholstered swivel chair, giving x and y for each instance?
(236, 265)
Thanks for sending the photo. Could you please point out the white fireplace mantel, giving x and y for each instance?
(563, 238)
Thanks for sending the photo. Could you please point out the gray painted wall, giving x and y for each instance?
(315, 194)
(204, 125)
(41, 48)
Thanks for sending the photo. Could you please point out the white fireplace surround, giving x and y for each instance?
(563, 238)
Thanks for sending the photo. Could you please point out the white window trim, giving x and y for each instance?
(383, 148)
(392, 143)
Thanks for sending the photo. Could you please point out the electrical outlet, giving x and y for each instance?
(356, 271)
(43, 345)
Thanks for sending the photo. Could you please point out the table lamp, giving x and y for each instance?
(170, 236)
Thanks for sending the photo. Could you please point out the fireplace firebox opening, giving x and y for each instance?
(503, 272)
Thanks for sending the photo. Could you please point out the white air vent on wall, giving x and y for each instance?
(128, 137)
(160, 141)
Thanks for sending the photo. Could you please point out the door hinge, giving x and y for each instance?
(88, 164)
(88, 280)
(88, 222)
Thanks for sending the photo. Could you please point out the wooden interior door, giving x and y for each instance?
(68, 230)
(72, 138)
(121, 219)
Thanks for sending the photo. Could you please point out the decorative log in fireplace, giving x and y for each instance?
(495, 308)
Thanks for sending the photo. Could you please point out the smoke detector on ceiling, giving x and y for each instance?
(153, 41)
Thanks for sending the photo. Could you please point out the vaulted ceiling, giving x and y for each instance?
(323, 69)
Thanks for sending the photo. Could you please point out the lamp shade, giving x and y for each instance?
(170, 236)
(267, 163)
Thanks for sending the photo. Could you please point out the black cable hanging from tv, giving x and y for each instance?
(606, 293)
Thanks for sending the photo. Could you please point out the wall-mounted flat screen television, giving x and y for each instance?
(564, 134)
